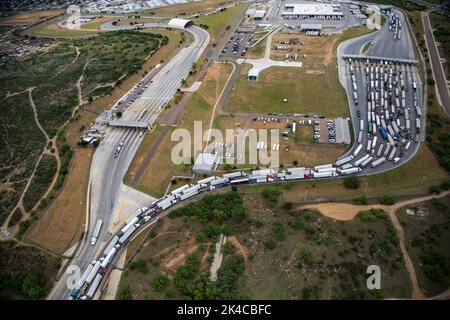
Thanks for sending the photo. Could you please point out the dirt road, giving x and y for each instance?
(346, 212)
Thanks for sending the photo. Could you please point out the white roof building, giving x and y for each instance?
(180, 23)
(205, 163)
(253, 74)
(312, 11)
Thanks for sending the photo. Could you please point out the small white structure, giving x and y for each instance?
(259, 14)
(205, 163)
(253, 74)
(180, 23)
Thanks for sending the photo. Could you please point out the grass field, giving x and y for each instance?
(95, 23)
(427, 241)
(52, 30)
(218, 22)
(318, 75)
(298, 148)
(199, 108)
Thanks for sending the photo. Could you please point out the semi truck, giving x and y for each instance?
(97, 228)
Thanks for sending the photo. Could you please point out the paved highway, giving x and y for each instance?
(108, 194)
(438, 70)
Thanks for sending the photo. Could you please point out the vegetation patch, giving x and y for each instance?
(25, 272)
(427, 241)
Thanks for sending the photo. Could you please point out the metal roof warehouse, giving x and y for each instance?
(312, 11)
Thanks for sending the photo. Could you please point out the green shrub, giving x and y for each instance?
(352, 182)
(387, 200)
(159, 283)
(361, 199)
(269, 244)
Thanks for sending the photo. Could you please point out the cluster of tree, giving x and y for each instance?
(271, 196)
(201, 288)
(438, 137)
(352, 182)
(214, 208)
(30, 286)
(435, 266)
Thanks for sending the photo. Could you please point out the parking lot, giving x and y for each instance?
(237, 45)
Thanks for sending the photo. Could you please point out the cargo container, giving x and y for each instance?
(369, 145)
(324, 174)
(391, 155)
(349, 171)
(85, 275)
(187, 195)
(395, 127)
(219, 182)
(417, 125)
(97, 228)
(374, 142)
(378, 162)
(380, 149)
(294, 177)
(391, 140)
(344, 160)
(327, 170)
(347, 166)
(129, 225)
(234, 174)
(358, 150)
(418, 111)
(358, 162)
(111, 244)
(108, 257)
(366, 162)
(324, 166)
(408, 145)
(206, 180)
(127, 234)
(360, 136)
(240, 181)
(94, 286)
(93, 272)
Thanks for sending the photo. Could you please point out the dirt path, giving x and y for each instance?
(71, 63)
(346, 212)
(242, 250)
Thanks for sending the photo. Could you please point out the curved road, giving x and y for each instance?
(106, 176)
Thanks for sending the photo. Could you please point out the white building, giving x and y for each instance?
(205, 163)
(253, 74)
(319, 11)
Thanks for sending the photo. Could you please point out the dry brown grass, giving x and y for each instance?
(190, 8)
(27, 18)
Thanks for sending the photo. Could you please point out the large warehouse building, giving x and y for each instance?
(319, 11)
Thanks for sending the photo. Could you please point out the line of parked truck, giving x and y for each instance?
(92, 276)
(395, 25)
(391, 126)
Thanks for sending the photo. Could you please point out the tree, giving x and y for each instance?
(352, 182)
(159, 283)
(387, 200)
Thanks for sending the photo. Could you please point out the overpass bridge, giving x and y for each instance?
(364, 57)
(128, 124)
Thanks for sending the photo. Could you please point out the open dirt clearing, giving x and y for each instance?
(27, 18)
